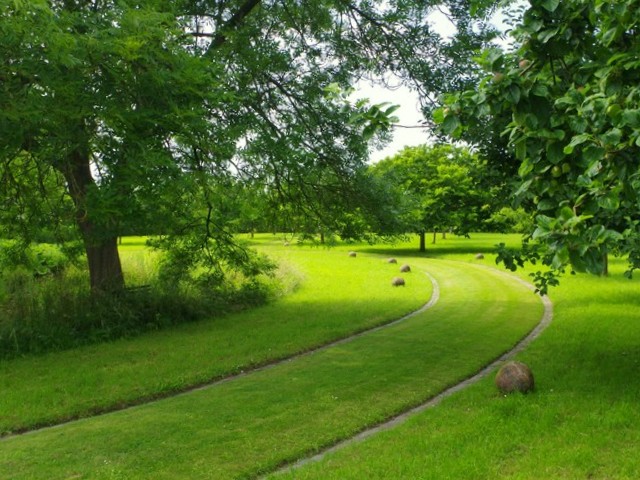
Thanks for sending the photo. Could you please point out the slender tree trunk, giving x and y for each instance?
(322, 238)
(444, 235)
(423, 244)
(605, 264)
(434, 238)
(105, 269)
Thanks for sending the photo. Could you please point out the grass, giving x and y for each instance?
(581, 422)
(337, 296)
(254, 423)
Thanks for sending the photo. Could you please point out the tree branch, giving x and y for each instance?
(235, 20)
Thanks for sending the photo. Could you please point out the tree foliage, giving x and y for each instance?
(438, 188)
(569, 98)
(149, 111)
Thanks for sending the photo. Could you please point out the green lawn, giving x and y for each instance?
(338, 296)
(258, 421)
(583, 421)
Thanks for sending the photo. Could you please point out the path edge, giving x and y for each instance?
(545, 321)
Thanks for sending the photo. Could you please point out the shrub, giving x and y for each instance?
(45, 313)
(39, 259)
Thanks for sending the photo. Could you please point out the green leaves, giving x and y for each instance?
(575, 141)
(372, 119)
(450, 125)
(439, 187)
(568, 100)
(550, 5)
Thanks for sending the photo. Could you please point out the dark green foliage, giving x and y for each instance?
(568, 102)
(41, 314)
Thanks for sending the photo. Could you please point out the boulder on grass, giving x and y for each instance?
(514, 377)
(392, 260)
(352, 254)
(397, 282)
(405, 268)
(479, 256)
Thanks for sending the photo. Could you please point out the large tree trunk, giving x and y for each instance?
(423, 244)
(105, 269)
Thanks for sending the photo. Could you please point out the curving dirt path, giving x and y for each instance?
(546, 319)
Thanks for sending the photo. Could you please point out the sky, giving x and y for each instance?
(409, 112)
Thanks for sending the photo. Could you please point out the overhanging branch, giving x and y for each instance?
(236, 19)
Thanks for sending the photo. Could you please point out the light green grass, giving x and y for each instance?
(337, 296)
(583, 420)
(254, 423)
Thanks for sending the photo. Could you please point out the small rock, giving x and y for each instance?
(392, 260)
(405, 268)
(479, 256)
(514, 377)
(352, 254)
(397, 282)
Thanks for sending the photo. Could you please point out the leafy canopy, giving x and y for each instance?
(149, 111)
(568, 99)
(438, 187)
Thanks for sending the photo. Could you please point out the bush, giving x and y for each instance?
(45, 313)
(39, 259)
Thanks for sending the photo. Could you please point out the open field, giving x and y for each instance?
(336, 297)
(580, 421)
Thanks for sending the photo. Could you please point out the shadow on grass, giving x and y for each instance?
(210, 350)
(433, 252)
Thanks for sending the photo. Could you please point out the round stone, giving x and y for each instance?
(514, 377)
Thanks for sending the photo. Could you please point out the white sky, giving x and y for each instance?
(409, 112)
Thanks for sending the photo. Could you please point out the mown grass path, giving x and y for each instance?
(336, 296)
(254, 423)
(433, 401)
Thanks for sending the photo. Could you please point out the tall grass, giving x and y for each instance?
(47, 306)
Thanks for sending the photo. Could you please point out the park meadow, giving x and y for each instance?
(249, 393)
(153, 325)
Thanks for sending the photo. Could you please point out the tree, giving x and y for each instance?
(572, 96)
(148, 110)
(438, 186)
